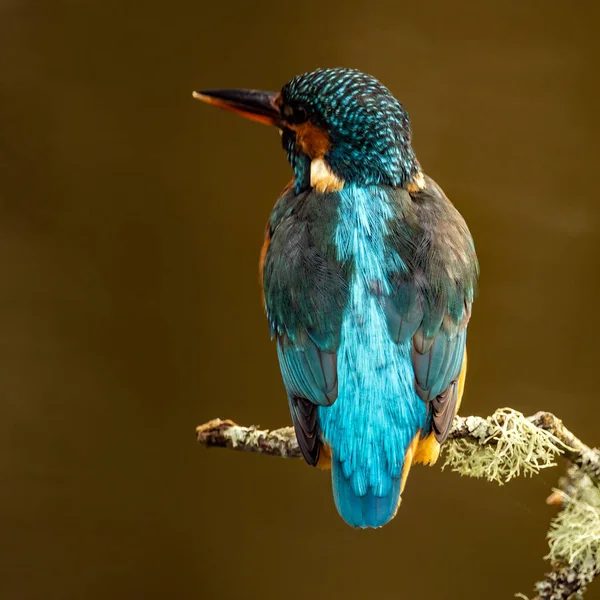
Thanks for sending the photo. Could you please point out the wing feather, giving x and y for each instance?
(431, 298)
(305, 294)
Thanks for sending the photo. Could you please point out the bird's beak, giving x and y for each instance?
(252, 104)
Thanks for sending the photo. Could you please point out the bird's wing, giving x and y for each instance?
(431, 298)
(305, 294)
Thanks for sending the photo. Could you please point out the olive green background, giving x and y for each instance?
(131, 219)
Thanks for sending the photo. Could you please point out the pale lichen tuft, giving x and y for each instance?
(501, 447)
(574, 535)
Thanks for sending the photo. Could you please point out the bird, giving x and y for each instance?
(369, 273)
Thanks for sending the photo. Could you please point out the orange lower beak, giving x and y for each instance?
(252, 104)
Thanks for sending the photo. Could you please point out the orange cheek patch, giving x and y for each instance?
(312, 140)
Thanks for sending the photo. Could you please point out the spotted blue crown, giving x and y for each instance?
(368, 128)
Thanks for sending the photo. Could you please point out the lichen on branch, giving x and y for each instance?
(574, 534)
(501, 447)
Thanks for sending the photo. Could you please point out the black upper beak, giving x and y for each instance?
(252, 104)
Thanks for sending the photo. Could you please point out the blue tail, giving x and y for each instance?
(368, 510)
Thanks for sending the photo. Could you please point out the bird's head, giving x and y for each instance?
(337, 126)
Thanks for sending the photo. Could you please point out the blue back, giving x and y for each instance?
(377, 412)
(368, 291)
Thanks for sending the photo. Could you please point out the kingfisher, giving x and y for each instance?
(369, 274)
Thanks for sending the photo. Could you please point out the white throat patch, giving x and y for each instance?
(322, 178)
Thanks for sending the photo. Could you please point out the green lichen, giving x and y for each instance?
(502, 447)
(574, 535)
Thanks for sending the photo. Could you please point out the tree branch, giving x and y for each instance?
(282, 442)
(498, 448)
(564, 583)
(227, 434)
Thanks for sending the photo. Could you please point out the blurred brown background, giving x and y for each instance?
(131, 219)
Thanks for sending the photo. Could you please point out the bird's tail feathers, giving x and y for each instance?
(373, 508)
(367, 510)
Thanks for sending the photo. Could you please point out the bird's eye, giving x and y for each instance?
(300, 114)
(295, 114)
